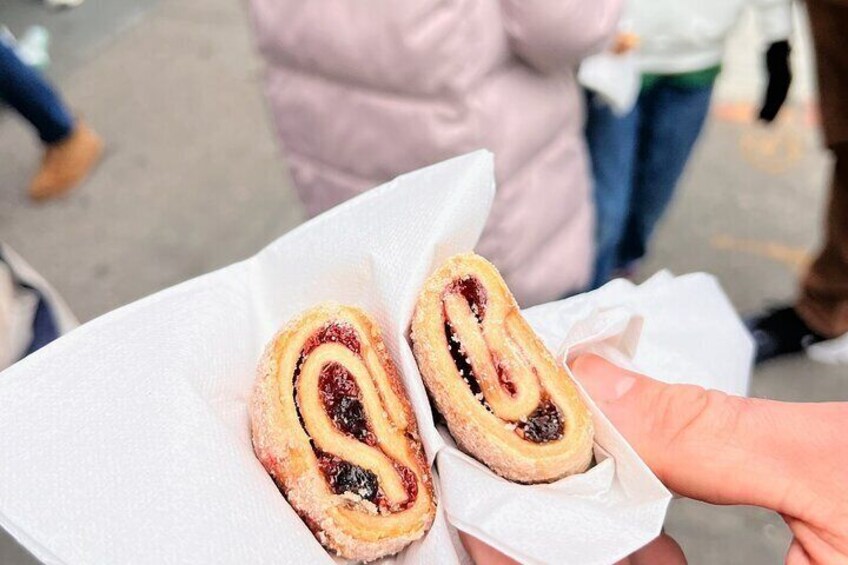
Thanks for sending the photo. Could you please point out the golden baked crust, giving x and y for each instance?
(301, 444)
(518, 411)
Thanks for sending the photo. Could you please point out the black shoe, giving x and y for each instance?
(780, 332)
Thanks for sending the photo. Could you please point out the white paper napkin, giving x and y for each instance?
(127, 440)
(689, 330)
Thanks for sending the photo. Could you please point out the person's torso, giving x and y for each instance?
(427, 47)
(364, 91)
(681, 35)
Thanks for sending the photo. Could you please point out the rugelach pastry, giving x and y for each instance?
(333, 426)
(506, 400)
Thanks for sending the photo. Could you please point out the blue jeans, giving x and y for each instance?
(637, 160)
(25, 90)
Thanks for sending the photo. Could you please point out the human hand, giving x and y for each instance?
(624, 42)
(661, 551)
(789, 457)
(779, 80)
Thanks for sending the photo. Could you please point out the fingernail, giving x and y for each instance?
(611, 387)
(604, 381)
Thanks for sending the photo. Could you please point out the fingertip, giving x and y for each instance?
(591, 367)
(797, 555)
(586, 363)
(483, 554)
(604, 381)
(662, 551)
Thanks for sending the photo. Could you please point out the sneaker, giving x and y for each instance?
(67, 163)
(833, 351)
(64, 3)
(779, 332)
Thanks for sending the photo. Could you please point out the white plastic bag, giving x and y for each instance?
(616, 79)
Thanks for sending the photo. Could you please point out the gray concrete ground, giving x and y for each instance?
(76, 35)
(192, 181)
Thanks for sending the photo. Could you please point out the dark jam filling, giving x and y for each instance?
(341, 399)
(544, 424)
(462, 364)
(346, 477)
(330, 333)
(473, 292)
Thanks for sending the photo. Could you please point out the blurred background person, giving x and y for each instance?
(639, 153)
(821, 309)
(71, 148)
(361, 92)
(32, 314)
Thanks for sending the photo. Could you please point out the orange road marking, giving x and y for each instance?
(794, 258)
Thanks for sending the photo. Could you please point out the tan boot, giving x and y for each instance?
(67, 163)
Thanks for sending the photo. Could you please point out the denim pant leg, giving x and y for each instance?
(25, 90)
(612, 145)
(672, 118)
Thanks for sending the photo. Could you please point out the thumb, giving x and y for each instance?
(482, 553)
(702, 444)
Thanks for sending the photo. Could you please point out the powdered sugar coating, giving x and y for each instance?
(476, 425)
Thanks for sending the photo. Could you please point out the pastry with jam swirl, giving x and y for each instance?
(332, 425)
(505, 399)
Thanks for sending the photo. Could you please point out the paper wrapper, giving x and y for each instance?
(686, 331)
(127, 440)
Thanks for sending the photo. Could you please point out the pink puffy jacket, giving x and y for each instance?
(363, 90)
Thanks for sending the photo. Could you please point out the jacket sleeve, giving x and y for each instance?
(554, 35)
(774, 18)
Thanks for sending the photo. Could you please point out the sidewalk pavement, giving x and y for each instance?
(192, 181)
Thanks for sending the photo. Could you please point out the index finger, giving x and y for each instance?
(719, 448)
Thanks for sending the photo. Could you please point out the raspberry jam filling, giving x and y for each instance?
(341, 399)
(475, 294)
(543, 425)
(340, 396)
(472, 290)
(503, 377)
(333, 333)
(349, 410)
(410, 485)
